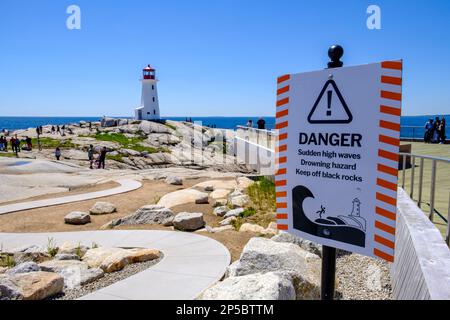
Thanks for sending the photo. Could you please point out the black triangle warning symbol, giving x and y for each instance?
(330, 107)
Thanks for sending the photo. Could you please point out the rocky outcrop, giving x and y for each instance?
(150, 214)
(149, 127)
(74, 272)
(188, 221)
(102, 208)
(262, 255)
(77, 218)
(259, 286)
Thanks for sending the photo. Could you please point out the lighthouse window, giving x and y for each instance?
(153, 99)
(154, 111)
(153, 87)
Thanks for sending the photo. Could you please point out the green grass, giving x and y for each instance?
(262, 194)
(171, 126)
(50, 143)
(8, 154)
(133, 143)
(118, 157)
(248, 213)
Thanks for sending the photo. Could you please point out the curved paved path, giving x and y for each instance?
(126, 185)
(191, 262)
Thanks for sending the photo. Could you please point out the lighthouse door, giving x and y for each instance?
(139, 114)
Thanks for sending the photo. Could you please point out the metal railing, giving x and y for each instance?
(409, 157)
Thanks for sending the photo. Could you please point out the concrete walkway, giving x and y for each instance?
(191, 262)
(126, 185)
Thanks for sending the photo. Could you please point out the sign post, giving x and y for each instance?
(328, 274)
(337, 158)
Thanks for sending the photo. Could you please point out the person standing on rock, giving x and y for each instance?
(102, 158)
(91, 156)
(58, 129)
(57, 153)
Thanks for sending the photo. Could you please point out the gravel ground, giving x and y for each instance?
(108, 279)
(363, 278)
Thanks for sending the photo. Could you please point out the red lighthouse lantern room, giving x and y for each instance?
(149, 72)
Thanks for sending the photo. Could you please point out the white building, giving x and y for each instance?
(149, 109)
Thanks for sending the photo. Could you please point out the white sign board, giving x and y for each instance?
(337, 156)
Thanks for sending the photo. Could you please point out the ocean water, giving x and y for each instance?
(411, 126)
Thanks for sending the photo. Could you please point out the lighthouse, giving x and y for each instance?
(149, 109)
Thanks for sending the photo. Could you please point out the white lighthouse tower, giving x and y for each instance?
(149, 109)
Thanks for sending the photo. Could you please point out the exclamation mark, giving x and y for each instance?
(330, 95)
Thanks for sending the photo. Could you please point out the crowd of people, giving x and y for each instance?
(15, 144)
(435, 131)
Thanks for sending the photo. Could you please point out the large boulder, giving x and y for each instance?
(108, 122)
(24, 267)
(304, 244)
(95, 257)
(32, 285)
(262, 255)
(115, 259)
(150, 214)
(180, 197)
(77, 218)
(102, 207)
(259, 286)
(189, 221)
(174, 180)
(75, 273)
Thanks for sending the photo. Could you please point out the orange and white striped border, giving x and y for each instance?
(387, 164)
(281, 124)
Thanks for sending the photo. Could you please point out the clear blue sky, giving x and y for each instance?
(216, 57)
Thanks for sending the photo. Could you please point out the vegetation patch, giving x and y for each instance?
(262, 194)
(133, 143)
(8, 154)
(50, 143)
(171, 126)
(118, 157)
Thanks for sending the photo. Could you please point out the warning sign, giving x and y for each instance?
(329, 110)
(337, 156)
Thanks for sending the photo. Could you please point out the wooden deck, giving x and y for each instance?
(442, 179)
